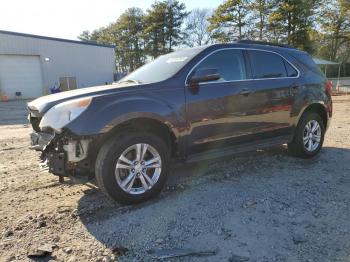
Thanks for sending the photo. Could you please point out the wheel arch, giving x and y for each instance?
(318, 108)
(144, 124)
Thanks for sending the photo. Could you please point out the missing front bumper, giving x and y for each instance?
(40, 140)
(62, 154)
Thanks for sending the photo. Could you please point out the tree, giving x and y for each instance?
(85, 36)
(291, 21)
(175, 17)
(128, 37)
(261, 10)
(335, 27)
(154, 31)
(229, 20)
(163, 28)
(197, 27)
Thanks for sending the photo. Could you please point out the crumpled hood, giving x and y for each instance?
(42, 104)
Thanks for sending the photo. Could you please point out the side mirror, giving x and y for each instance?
(205, 75)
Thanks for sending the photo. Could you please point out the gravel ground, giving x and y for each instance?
(258, 206)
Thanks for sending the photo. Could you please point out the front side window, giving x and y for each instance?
(267, 65)
(229, 64)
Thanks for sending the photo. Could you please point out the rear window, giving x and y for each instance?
(267, 65)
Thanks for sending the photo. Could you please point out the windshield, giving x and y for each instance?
(162, 68)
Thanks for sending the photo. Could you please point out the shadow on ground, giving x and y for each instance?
(261, 205)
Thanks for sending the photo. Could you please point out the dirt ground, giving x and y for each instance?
(259, 206)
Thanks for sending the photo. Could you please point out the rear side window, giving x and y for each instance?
(267, 65)
(229, 63)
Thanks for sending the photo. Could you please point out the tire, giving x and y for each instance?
(111, 171)
(300, 147)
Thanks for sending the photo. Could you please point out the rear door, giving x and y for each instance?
(275, 82)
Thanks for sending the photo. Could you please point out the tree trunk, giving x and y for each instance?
(261, 27)
(289, 28)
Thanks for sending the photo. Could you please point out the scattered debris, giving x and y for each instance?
(181, 186)
(68, 250)
(41, 252)
(41, 224)
(249, 204)
(180, 252)
(299, 238)
(8, 233)
(236, 258)
(46, 248)
(64, 209)
(56, 239)
(34, 254)
(72, 259)
(159, 241)
(120, 251)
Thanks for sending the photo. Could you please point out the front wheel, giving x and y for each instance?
(132, 167)
(308, 137)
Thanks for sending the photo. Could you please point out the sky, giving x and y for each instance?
(68, 18)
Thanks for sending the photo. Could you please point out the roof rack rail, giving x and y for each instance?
(254, 42)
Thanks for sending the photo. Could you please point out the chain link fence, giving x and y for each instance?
(341, 86)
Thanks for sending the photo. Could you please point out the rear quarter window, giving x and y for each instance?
(291, 72)
(307, 61)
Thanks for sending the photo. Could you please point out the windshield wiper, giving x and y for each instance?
(130, 81)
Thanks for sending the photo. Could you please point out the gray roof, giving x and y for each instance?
(56, 39)
(320, 61)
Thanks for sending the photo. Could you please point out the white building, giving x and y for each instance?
(31, 65)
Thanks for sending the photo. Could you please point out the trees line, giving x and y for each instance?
(321, 27)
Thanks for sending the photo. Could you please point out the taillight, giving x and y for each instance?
(328, 87)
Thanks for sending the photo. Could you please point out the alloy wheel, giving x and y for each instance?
(312, 135)
(138, 168)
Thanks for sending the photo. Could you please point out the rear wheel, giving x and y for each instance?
(309, 136)
(132, 167)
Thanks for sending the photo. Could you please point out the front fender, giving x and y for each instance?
(105, 113)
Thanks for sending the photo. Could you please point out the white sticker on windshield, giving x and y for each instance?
(176, 59)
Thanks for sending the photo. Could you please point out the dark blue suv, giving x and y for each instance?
(190, 105)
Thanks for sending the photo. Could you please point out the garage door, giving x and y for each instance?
(22, 75)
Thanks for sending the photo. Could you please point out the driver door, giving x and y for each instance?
(216, 110)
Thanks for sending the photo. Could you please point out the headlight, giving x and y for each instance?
(63, 113)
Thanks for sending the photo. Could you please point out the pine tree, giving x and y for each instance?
(261, 10)
(229, 20)
(163, 29)
(335, 27)
(291, 21)
(128, 37)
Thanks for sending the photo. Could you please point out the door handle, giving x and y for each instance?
(294, 90)
(245, 92)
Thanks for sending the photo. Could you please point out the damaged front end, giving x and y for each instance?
(62, 153)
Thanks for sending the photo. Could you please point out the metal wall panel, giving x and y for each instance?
(90, 65)
(20, 76)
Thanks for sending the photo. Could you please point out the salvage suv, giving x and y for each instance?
(191, 105)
